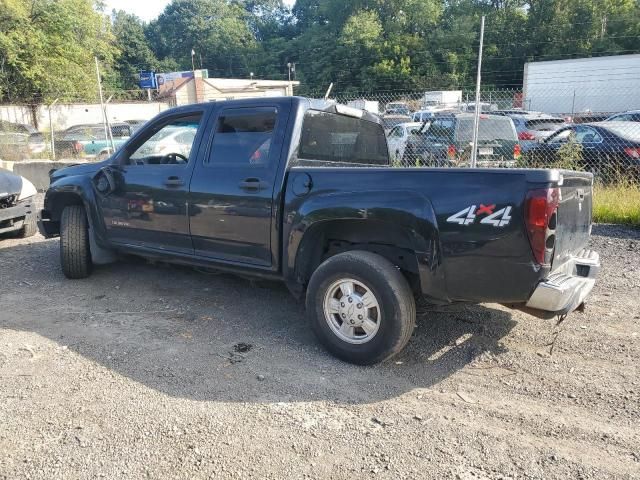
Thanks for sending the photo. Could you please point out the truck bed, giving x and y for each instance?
(474, 257)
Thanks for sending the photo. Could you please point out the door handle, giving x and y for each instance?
(253, 184)
(173, 182)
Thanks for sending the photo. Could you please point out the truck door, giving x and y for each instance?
(231, 204)
(149, 206)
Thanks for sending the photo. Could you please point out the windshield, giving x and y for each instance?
(490, 128)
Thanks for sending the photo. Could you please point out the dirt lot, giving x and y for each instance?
(134, 373)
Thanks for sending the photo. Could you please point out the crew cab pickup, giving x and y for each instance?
(302, 191)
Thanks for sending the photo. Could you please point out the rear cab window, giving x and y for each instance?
(331, 137)
(489, 128)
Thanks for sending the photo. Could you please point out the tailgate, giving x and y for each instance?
(574, 216)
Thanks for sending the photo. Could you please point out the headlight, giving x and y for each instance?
(27, 190)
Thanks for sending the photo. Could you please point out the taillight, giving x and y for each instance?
(633, 152)
(517, 151)
(541, 211)
(451, 152)
(525, 135)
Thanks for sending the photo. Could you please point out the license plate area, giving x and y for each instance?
(486, 151)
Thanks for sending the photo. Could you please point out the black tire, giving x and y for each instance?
(30, 227)
(75, 256)
(390, 288)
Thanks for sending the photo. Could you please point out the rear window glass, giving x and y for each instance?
(490, 128)
(337, 138)
(544, 125)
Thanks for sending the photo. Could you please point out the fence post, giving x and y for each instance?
(104, 113)
(476, 116)
(51, 132)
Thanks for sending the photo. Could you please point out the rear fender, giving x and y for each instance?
(399, 219)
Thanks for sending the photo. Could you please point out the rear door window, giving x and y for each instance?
(331, 137)
(243, 137)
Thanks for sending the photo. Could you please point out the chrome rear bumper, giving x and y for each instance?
(566, 288)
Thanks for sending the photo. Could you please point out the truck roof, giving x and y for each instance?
(297, 102)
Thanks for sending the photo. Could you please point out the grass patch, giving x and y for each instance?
(619, 203)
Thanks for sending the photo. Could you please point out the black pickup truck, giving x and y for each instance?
(301, 191)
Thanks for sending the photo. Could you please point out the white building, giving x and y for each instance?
(184, 91)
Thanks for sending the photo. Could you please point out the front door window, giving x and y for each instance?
(168, 144)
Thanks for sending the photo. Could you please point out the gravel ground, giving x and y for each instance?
(154, 371)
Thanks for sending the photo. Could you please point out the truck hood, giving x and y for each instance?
(12, 184)
(79, 169)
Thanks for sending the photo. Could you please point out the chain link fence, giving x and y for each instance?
(76, 130)
(590, 130)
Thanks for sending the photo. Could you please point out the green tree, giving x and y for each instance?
(134, 53)
(216, 29)
(47, 49)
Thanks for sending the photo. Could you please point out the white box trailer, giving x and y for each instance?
(369, 105)
(441, 98)
(598, 84)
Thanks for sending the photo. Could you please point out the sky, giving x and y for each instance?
(146, 9)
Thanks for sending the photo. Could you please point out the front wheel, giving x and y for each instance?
(30, 227)
(361, 307)
(75, 256)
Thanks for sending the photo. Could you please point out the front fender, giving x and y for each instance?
(409, 215)
(61, 193)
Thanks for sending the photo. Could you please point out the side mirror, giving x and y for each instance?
(106, 180)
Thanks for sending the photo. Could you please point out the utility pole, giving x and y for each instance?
(476, 116)
(104, 112)
(193, 64)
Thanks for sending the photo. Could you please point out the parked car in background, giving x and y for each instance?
(171, 140)
(533, 127)
(398, 136)
(91, 140)
(20, 141)
(135, 125)
(18, 215)
(390, 121)
(431, 113)
(448, 142)
(397, 108)
(587, 117)
(471, 107)
(631, 116)
(603, 148)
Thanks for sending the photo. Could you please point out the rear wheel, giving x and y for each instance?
(75, 256)
(361, 307)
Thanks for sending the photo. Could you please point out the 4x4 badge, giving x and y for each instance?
(468, 216)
